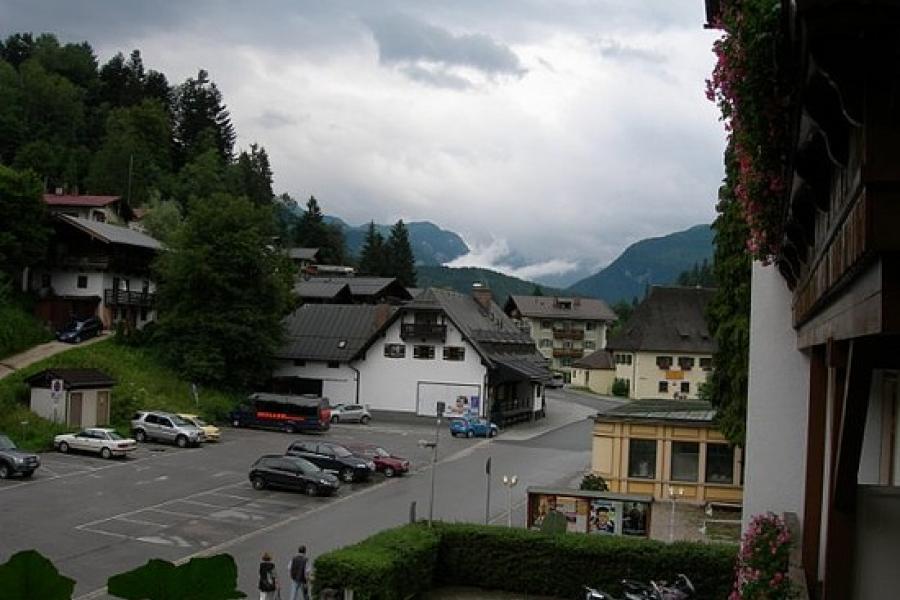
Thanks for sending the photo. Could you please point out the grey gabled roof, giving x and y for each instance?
(670, 319)
(318, 288)
(369, 286)
(112, 234)
(549, 307)
(696, 411)
(303, 253)
(330, 332)
(496, 338)
(601, 359)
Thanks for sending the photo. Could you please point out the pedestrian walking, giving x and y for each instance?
(299, 570)
(268, 579)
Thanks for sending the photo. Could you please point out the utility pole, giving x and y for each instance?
(434, 446)
(487, 502)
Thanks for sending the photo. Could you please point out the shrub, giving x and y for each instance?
(408, 560)
(593, 482)
(620, 387)
(393, 564)
(762, 569)
(19, 330)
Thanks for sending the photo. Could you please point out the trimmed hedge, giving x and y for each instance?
(403, 562)
(391, 565)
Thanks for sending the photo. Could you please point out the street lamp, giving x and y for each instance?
(673, 491)
(510, 482)
(439, 409)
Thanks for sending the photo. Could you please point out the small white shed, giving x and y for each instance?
(76, 397)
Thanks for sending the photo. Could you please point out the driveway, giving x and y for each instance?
(15, 362)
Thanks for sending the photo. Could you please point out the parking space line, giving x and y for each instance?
(140, 522)
(227, 508)
(85, 471)
(103, 532)
(260, 500)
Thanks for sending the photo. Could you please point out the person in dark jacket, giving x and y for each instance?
(299, 570)
(268, 579)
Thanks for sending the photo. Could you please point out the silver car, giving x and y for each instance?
(165, 427)
(350, 413)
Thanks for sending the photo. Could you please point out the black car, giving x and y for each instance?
(80, 329)
(333, 458)
(291, 472)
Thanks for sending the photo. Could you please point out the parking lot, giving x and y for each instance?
(163, 501)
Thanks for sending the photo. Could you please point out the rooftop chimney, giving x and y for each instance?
(482, 295)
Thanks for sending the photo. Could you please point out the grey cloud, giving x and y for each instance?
(438, 77)
(407, 42)
(273, 119)
(614, 49)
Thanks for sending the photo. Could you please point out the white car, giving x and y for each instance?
(343, 413)
(105, 442)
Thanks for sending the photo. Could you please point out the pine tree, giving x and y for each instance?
(199, 108)
(400, 261)
(372, 256)
(313, 232)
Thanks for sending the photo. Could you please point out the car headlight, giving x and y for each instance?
(18, 459)
(324, 482)
(370, 465)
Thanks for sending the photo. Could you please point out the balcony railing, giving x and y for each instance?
(568, 353)
(423, 331)
(127, 298)
(568, 334)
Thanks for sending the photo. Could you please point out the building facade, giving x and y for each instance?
(668, 449)
(565, 330)
(665, 350)
(596, 372)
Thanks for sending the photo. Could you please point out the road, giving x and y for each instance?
(95, 518)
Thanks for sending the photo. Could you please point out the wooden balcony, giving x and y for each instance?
(127, 298)
(568, 353)
(568, 334)
(423, 331)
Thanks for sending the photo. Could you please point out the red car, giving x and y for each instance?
(385, 462)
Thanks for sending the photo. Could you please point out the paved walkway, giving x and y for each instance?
(15, 362)
(559, 414)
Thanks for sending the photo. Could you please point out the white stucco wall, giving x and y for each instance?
(393, 383)
(777, 402)
(338, 385)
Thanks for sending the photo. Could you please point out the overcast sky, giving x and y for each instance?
(560, 130)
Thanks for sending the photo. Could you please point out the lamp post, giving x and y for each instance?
(673, 491)
(434, 446)
(487, 502)
(510, 482)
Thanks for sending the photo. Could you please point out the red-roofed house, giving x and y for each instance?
(105, 209)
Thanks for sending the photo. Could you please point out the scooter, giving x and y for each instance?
(681, 589)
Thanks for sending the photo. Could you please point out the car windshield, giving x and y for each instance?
(180, 421)
(342, 452)
(381, 452)
(305, 466)
(6, 443)
(199, 422)
(114, 436)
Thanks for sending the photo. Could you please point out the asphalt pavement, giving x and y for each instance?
(96, 518)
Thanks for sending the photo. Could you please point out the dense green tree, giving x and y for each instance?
(135, 155)
(75, 62)
(198, 109)
(24, 234)
(700, 275)
(17, 48)
(313, 232)
(54, 106)
(223, 292)
(12, 112)
(538, 290)
(251, 176)
(728, 313)
(372, 256)
(400, 260)
(623, 310)
(162, 219)
(286, 218)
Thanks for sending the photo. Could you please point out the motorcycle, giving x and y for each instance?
(681, 589)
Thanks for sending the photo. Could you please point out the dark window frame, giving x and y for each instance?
(685, 387)
(634, 468)
(427, 349)
(81, 282)
(663, 387)
(679, 450)
(455, 353)
(686, 363)
(664, 362)
(395, 350)
(724, 456)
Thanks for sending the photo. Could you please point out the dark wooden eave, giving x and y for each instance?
(840, 244)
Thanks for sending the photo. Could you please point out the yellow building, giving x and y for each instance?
(665, 350)
(595, 372)
(666, 448)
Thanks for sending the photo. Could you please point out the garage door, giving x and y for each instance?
(429, 394)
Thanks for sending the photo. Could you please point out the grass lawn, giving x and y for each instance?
(143, 383)
(19, 330)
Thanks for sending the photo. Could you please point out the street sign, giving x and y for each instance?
(487, 466)
(57, 387)
(441, 407)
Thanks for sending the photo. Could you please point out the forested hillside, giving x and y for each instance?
(462, 278)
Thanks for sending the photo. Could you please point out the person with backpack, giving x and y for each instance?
(268, 579)
(299, 570)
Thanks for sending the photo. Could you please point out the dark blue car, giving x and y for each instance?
(472, 427)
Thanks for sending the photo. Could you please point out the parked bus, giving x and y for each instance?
(279, 411)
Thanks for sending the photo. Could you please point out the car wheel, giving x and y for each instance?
(388, 472)
(181, 441)
(312, 489)
(492, 433)
(335, 419)
(106, 453)
(235, 423)
(365, 419)
(27, 474)
(347, 475)
(140, 436)
(63, 447)
(470, 433)
(289, 428)
(78, 339)
(258, 483)
(5, 471)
